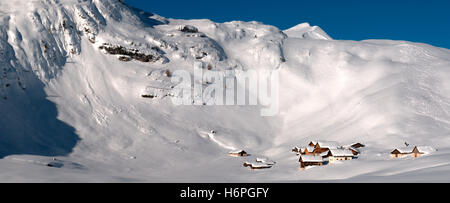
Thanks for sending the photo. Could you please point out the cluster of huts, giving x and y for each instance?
(322, 153)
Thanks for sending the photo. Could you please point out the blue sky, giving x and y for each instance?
(426, 21)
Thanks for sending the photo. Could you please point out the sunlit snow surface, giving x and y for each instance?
(73, 105)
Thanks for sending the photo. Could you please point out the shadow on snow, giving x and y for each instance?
(29, 124)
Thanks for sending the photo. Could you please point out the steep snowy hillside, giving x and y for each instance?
(87, 88)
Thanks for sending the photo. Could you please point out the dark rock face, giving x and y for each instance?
(55, 165)
(129, 54)
(124, 58)
(189, 29)
(149, 96)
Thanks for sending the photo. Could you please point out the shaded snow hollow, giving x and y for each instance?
(62, 96)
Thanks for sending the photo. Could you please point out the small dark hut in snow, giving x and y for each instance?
(238, 153)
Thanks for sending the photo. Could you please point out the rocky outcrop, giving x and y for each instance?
(188, 29)
(129, 53)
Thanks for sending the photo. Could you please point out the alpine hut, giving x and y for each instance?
(310, 160)
(340, 155)
(238, 153)
(401, 152)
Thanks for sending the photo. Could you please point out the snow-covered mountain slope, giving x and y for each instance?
(73, 75)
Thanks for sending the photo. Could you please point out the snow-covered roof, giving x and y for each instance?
(405, 150)
(265, 161)
(328, 144)
(261, 166)
(358, 144)
(258, 165)
(311, 158)
(324, 153)
(341, 152)
(260, 159)
(236, 151)
(422, 149)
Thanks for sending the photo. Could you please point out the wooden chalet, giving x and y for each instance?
(401, 152)
(339, 155)
(310, 160)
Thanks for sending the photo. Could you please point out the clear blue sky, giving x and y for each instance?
(426, 21)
